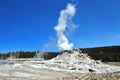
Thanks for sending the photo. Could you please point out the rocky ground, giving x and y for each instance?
(93, 76)
(32, 73)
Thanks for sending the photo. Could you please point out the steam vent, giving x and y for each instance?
(76, 61)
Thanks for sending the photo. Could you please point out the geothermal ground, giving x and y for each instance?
(69, 65)
(28, 72)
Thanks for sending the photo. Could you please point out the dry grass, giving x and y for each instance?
(114, 63)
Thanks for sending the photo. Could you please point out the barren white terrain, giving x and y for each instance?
(69, 63)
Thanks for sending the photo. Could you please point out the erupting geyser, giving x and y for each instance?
(63, 22)
(70, 60)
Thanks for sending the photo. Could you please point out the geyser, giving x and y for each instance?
(70, 60)
(63, 22)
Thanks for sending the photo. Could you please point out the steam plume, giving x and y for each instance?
(63, 22)
(48, 46)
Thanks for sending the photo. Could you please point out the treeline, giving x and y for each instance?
(18, 54)
(28, 54)
(105, 54)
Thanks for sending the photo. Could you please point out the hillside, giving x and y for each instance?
(107, 53)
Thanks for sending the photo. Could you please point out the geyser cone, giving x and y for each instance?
(75, 61)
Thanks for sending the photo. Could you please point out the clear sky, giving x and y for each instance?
(28, 25)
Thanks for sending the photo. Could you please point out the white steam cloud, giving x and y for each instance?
(48, 46)
(64, 21)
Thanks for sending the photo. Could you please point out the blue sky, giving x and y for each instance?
(28, 25)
